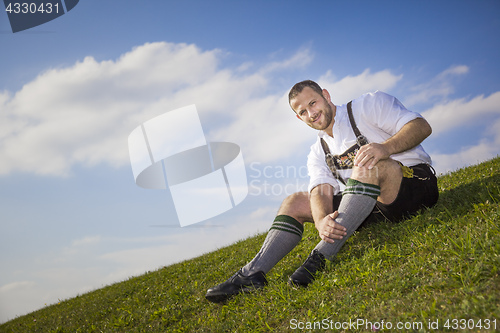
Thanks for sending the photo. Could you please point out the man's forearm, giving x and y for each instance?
(409, 136)
(321, 199)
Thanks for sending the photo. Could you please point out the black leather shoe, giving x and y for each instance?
(305, 274)
(238, 283)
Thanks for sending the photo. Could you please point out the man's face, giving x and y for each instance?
(314, 109)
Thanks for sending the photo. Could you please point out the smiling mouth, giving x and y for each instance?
(317, 118)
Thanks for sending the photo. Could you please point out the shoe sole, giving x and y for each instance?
(293, 283)
(218, 298)
(221, 297)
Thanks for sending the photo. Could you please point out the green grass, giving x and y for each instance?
(441, 265)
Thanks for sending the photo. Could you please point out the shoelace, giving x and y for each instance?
(315, 260)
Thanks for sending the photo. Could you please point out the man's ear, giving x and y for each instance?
(298, 117)
(326, 95)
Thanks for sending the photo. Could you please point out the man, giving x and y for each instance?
(369, 166)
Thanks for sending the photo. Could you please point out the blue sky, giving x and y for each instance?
(71, 90)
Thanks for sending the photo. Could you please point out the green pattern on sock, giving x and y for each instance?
(288, 224)
(356, 187)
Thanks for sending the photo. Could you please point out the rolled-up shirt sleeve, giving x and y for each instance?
(318, 170)
(384, 112)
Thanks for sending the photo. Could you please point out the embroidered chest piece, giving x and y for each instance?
(346, 159)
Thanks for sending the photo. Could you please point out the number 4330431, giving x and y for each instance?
(32, 8)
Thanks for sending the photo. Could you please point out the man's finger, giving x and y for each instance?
(337, 226)
(326, 239)
(333, 236)
(372, 164)
(334, 225)
(334, 215)
(360, 155)
(363, 160)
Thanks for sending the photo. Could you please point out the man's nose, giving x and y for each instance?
(312, 113)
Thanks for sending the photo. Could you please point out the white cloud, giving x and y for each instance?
(460, 112)
(19, 295)
(89, 240)
(299, 60)
(437, 89)
(449, 115)
(350, 87)
(486, 149)
(16, 285)
(83, 114)
(454, 70)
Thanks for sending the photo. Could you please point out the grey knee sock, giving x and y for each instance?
(358, 200)
(284, 235)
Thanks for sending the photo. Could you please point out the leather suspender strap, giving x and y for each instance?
(360, 138)
(329, 161)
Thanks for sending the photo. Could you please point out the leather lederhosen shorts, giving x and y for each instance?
(418, 190)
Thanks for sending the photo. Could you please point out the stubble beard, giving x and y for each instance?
(328, 113)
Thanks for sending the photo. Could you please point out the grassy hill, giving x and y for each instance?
(420, 275)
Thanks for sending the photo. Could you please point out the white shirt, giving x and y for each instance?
(378, 116)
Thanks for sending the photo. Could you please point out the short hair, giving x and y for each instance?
(298, 87)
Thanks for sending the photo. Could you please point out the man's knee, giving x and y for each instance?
(384, 169)
(365, 175)
(297, 206)
(297, 197)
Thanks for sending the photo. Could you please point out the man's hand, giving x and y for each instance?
(329, 230)
(408, 137)
(368, 155)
